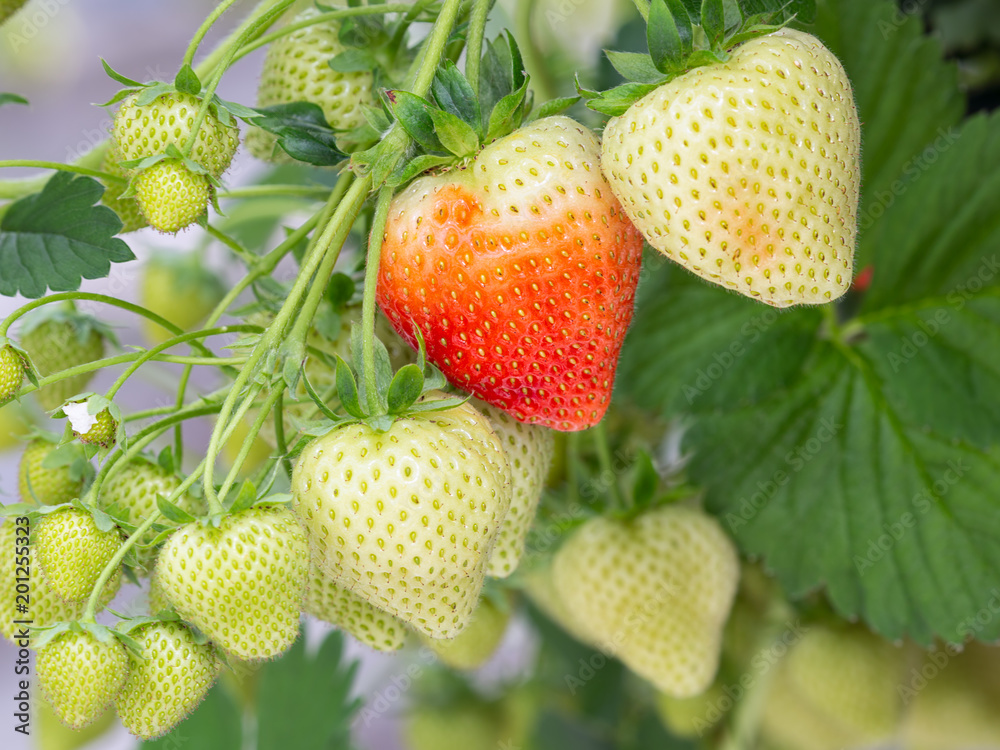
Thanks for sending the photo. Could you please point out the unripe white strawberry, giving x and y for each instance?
(407, 518)
(748, 172)
(529, 450)
(171, 196)
(241, 584)
(655, 591)
(330, 602)
(476, 644)
(80, 675)
(73, 552)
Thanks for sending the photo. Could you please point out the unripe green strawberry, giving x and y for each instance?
(655, 591)
(52, 734)
(126, 208)
(529, 450)
(838, 687)
(473, 646)
(407, 518)
(27, 595)
(241, 584)
(296, 69)
(171, 196)
(330, 602)
(541, 589)
(14, 426)
(133, 490)
(180, 289)
(58, 343)
(9, 7)
(12, 368)
(102, 433)
(73, 551)
(50, 486)
(466, 726)
(80, 675)
(695, 716)
(165, 684)
(147, 130)
(747, 172)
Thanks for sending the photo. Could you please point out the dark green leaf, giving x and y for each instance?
(347, 390)
(495, 76)
(453, 94)
(505, 115)
(306, 697)
(684, 24)
(414, 115)
(7, 98)
(187, 81)
(713, 20)
(634, 66)
(56, 238)
(454, 134)
(406, 387)
(217, 723)
(303, 132)
(663, 37)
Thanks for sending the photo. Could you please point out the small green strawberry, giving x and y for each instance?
(296, 69)
(171, 196)
(58, 340)
(747, 172)
(126, 208)
(477, 643)
(73, 551)
(167, 680)
(131, 491)
(80, 675)
(465, 726)
(29, 599)
(140, 131)
(655, 591)
(529, 450)
(540, 588)
(330, 602)
(52, 734)
(14, 426)
(241, 584)
(695, 716)
(101, 430)
(50, 485)
(12, 369)
(180, 289)
(790, 723)
(407, 518)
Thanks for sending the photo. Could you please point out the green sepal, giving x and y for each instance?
(353, 60)
(43, 636)
(668, 39)
(120, 78)
(507, 111)
(8, 98)
(244, 499)
(347, 389)
(405, 388)
(150, 93)
(303, 132)
(635, 66)
(455, 135)
(646, 480)
(713, 20)
(186, 81)
(407, 170)
(454, 94)
(616, 101)
(414, 114)
(172, 512)
(552, 107)
(318, 399)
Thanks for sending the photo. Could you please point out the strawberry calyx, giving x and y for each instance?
(94, 419)
(682, 35)
(80, 325)
(42, 636)
(452, 125)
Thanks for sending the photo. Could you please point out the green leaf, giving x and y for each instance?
(616, 101)
(414, 115)
(453, 94)
(407, 170)
(405, 388)
(354, 61)
(455, 135)
(216, 723)
(58, 237)
(8, 98)
(307, 697)
(713, 20)
(907, 95)
(187, 81)
(347, 390)
(634, 66)
(116, 76)
(666, 46)
(245, 498)
(506, 114)
(554, 107)
(803, 10)
(173, 512)
(303, 132)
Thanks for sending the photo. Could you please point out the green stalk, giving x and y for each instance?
(607, 467)
(474, 49)
(207, 24)
(534, 60)
(375, 238)
(247, 446)
(32, 163)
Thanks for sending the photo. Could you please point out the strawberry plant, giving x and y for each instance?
(622, 398)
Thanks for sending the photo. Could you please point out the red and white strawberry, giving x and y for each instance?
(520, 271)
(747, 172)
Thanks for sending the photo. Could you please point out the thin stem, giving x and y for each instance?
(239, 251)
(269, 191)
(279, 432)
(35, 164)
(607, 468)
(207, 24)
(534, 61)
(573, 466)
(474, 50)
(247, 446)
(375, 238)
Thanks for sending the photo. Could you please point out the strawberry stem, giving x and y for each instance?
(207, 24)
(263, 413)
(375, 238)
(474, 50)
(35, 164)
(607, 467)
(534, 61)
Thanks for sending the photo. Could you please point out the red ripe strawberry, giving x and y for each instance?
(520, 271)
